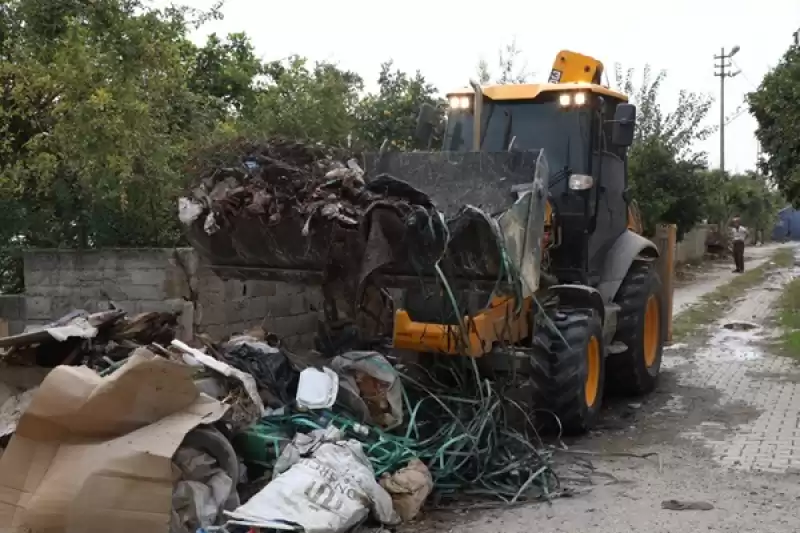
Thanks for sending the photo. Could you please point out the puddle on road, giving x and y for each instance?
(740, 326)
(734, 341)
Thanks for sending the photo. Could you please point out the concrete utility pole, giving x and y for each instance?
(720, 70)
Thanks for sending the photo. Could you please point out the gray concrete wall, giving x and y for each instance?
(693, 245)
(139, 280)
(12, 310)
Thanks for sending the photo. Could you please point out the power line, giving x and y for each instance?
(744, 75)
(736, 114)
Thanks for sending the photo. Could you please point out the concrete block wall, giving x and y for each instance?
(693, 245)
(12, 310)
(289, 310)
(140, 280)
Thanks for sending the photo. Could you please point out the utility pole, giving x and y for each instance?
(796, 36)
(720, 71)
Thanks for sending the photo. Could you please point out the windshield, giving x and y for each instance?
(563, 133)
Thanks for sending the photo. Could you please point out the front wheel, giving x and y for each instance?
(642, 329)
(569, 377)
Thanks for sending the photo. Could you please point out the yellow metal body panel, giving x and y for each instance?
(497, 323)
(530, 91)
(570, 67)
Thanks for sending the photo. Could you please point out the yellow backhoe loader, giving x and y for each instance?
(549, 259)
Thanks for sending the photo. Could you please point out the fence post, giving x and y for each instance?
(666, 237)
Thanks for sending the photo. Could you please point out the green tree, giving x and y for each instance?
(392, 112)
(664, 170)
(776, 108)
(227, 69)
(316, 102)
(95, 118)
(747, 195)
(680, 128)
(666, 188)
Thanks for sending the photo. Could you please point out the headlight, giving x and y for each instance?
(568, 99)
(459, 102)
(580, 182)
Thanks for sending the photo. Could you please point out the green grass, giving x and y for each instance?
(788, 320)
(713, 304)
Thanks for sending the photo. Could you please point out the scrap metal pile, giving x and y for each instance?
(259, 436)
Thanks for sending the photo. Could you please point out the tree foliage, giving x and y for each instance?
(678, 129)
(95, 106)
(664, 170)
(666, 188)
(748, 196)
(776, 108)
(392, 112)
(302, 100)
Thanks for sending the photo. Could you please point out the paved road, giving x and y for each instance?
(718, 275)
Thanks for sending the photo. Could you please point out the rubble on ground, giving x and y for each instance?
(371, 427)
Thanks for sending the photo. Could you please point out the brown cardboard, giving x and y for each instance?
(93, 454)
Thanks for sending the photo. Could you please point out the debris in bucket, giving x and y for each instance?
(276, 179)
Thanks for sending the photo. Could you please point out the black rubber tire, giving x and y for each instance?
(627, 372)
(559, 372)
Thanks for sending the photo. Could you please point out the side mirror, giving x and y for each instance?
(426, 122)
(624, 125)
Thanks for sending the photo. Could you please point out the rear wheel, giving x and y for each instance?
(641, 328)
(568, 379)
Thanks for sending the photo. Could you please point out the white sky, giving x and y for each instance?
(444, 39)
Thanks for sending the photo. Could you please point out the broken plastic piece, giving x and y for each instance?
(317, 388)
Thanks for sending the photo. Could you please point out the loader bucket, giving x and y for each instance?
(454, 179)
(490, 223)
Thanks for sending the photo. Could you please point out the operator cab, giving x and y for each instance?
(585, 130)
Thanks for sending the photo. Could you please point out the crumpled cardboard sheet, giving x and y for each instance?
(409, 487)
(94, 454)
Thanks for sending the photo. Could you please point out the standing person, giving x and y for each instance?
(738, 236)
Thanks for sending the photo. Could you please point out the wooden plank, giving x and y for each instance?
(666, 238)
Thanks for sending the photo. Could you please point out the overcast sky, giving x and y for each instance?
(445, 39)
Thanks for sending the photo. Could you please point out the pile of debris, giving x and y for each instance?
(259, 436)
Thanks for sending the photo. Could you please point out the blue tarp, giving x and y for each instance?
(788, 225)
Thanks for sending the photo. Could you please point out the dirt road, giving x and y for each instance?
(724, 423)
